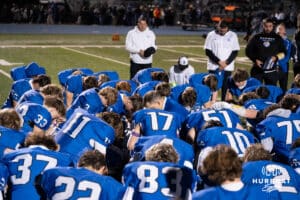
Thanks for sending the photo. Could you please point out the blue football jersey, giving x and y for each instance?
(19, 87)
(113, 75)
(10, 138)
(283, 127)
(3, 176)
(272, 176)
(63, 75)
(235, 91)
(158, 180)
(184, 150)
(157, 122)
(198, 119)
(88, 100)
(79, 183)
(238, 139)
(26, 164)
(146, 87)
(33, 96)
(34, 114)
(74, 85)
(119, 106)
(83, 132)
(294, 159)
(174, 106)
(235, 192)
(275, 92)
(144, 75)
(133, 84)
(18, 73)
(293, 91)
(198, 78)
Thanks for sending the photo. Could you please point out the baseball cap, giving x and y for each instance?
(183, 61)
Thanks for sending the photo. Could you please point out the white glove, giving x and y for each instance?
(221, 105)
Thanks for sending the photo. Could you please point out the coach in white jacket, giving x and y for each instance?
(140, 42)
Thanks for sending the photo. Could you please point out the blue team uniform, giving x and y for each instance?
(144, 75)
(198, 78)
(18, 73)
(174, 106)
(198, 119)
(248, 192)
(113, 84)
(10, 138)
(238, 139)
(272, 176)
(235, 91)
(83, 132)
(19, 87)
(184, 150)
(32, 96)
(256, 104)
(157, 122)
(74, 84)
(88, 100)
(3, 176)
(119, 106)
(294, 159)
(34, 114)
(33, 69)
(26, 164)
(202, 91)
(146, 87)
(79, 183)
(275, 92)
(293, 91)
(283, 127)
(158, 180)
(63, 75)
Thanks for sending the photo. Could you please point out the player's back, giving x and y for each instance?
(79, 183)
(271, 176)
(158, 180)
(26, 164)
(83, 132)
(10, 138)
(157, 122)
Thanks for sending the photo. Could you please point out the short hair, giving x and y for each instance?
(142, 18)
(52, 90)
(240, 75)
(89, 82)
(123, 85)
(211, 81)
(160, 76)
(247, 96)
(162, 152)
(188, 97)
(222, 163)
(115, 121)
(76, 72)
(297, 81)
(56, 103)
(93, 159)
(223, 24)
(268, 20)
(163, 88)
(9, 118)
(41, 139)
(102, 79)
(290, 101)
(263, 92)
(137, 102)
(41, 80)
(256, 152)
(110, 94)
(211, 123)
(151, 97)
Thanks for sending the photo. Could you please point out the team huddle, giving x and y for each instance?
(159, 135)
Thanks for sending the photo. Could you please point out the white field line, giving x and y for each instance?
(96, 56)
(5, 73)
(94, 46)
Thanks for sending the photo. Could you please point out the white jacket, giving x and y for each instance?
(137, 40)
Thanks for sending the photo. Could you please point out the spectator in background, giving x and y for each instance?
(221, 46)
(283, 64)
(265, 49)
(296, 67)
(180, 73)
(140, 42)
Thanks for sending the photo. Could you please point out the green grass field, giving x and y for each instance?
(98, 52)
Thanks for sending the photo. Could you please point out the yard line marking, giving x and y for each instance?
(96, 56)
(5, 73)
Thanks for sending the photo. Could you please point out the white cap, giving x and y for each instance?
(183, 61)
